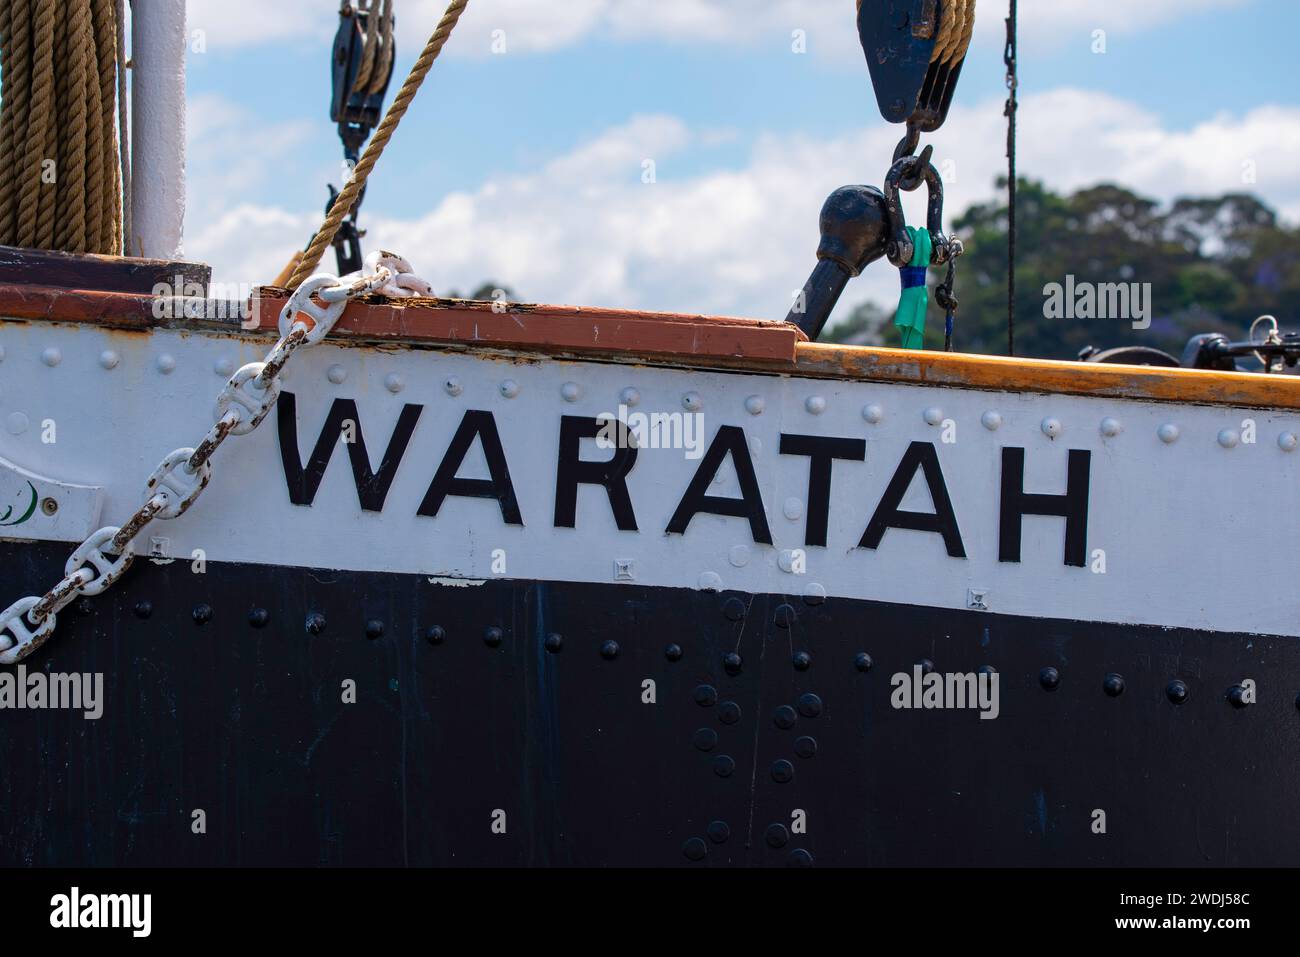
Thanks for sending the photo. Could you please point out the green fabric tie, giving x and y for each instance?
(915, 298)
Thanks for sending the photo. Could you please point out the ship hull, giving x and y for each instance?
(462, 747)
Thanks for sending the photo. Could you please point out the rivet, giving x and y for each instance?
(554, 643)
(609, 650)
(873, 413)
(810, 706)
(814, 593)
(991, 420)
(259, 617)
(1049, 678)
(732, 663)
(673, 652)
(784, 717)
(1287, 442)
(16, 423)
(336, 374)
(692, 402)
(932, 415)
(1237, 697)
(776, 835)
(571, 392)
(509, 388)
(374, 629)
(1168, 433)
(927, 666)
(734, 609)
(224, 367)
(754, 405)
(452, 386)
(1176, 691)
(724, 765)
(710, 581)
(695, 849)
(492, 637)
(51, 357)
(109, 359)
(862, 661)
(143, 609)
(739, 555)
(394, 383)
(792, 508)
(719, 832)
(1051, 427)
(815, 404)
(799, 858)
(435, 635)
(315, 623)
(202, 614)
(706, 696)
(1229, 438)
(49, 506)
(729, 712)
(166, 363)
(1113, 684)
(784, 616)
(802, 661)
(805, 747)
(785, 560)
(706, 739)
(630, 396)
(1111, 427)
(782, 771)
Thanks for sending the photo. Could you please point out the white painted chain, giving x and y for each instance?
(182, 476)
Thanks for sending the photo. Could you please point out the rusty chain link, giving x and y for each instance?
(183, 474)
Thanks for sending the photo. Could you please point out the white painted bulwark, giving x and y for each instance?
(1178, 522)
(158, 42)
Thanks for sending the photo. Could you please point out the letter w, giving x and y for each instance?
(372, 486)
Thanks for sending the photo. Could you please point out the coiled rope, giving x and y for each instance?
(374, 149)
(60, 171)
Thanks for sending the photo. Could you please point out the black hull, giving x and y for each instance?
(248, 725)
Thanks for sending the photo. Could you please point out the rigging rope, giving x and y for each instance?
(1013, 84)
(956, 26)
(60, 173)
(344, 202)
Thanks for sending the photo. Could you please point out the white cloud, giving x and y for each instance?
(585, 229)
(534, 25)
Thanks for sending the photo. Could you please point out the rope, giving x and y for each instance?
(60, 179)
(344, 202)
(123, 122)
(956, 26)
(377, 54)
(1013, 85)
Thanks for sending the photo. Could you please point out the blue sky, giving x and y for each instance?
(526, 167)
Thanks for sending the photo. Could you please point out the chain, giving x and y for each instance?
(946, 296)
(103, 558)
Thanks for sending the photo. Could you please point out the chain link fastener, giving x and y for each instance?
(24, 640)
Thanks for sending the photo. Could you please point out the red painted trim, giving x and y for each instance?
(546, 328)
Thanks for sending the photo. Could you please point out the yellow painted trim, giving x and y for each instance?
(1002, 374)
